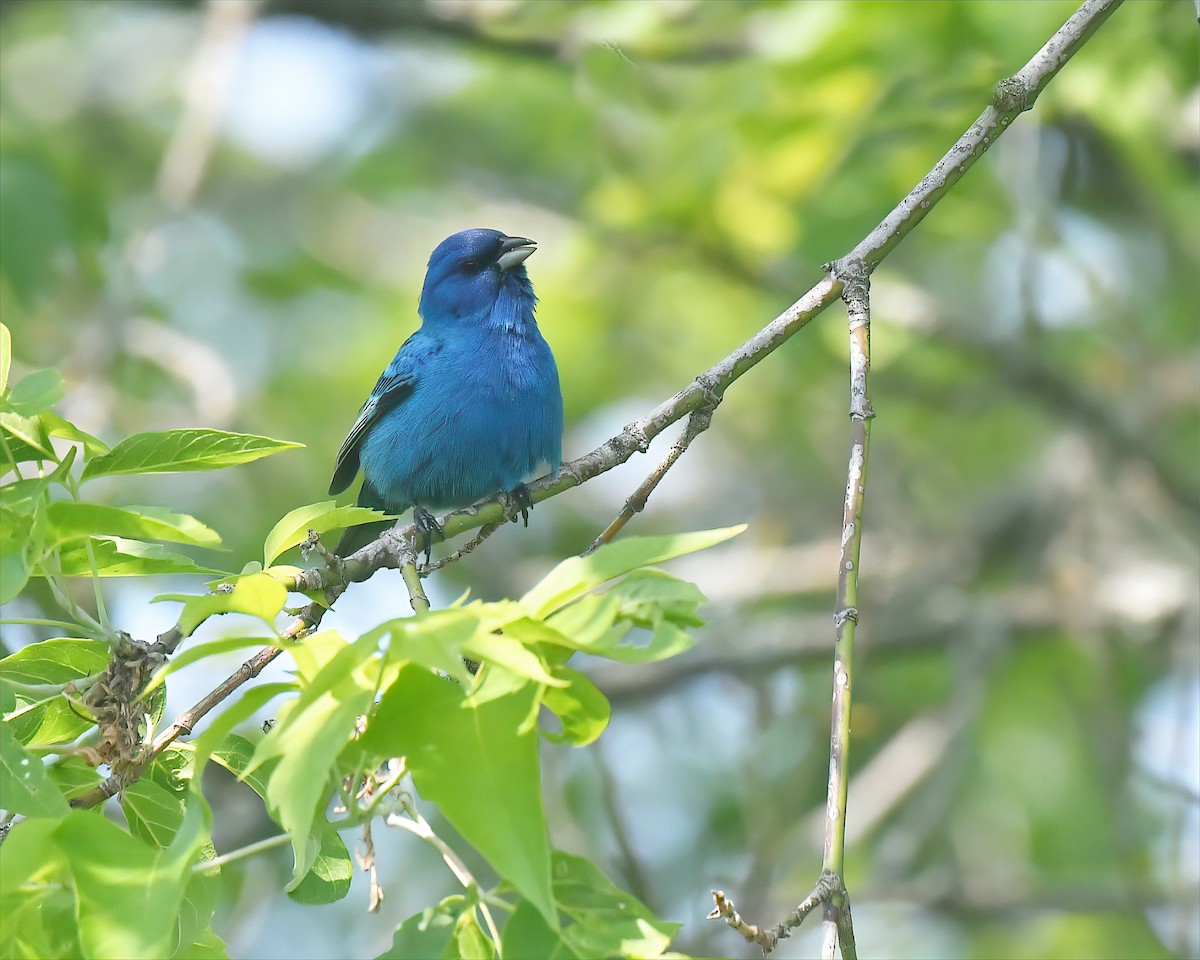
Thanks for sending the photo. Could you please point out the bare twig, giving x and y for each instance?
(414, 823)
(366, 862)
(484, 532)
(697, 422)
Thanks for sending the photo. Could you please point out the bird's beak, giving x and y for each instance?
(516, 250)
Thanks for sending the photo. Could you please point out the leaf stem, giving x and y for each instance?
(242, 852)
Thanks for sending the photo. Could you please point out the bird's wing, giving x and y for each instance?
(394, 384)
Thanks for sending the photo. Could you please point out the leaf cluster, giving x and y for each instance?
(383, 721)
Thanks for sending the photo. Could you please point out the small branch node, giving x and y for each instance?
(1011, 95)
(637, 436)
(847, 613)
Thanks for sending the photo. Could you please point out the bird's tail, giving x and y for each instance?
(355, 538)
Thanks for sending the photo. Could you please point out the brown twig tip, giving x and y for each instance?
(723, 909)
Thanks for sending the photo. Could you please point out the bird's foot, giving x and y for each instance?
(518, 503)
(427, 529)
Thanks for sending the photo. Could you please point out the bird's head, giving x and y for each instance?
(470, 270)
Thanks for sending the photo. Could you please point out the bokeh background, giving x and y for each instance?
(219, 214)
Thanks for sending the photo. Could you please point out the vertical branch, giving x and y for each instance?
(856, 294)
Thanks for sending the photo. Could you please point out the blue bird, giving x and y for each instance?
(470, 406)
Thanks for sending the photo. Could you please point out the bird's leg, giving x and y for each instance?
(427, 529)
(518, 503)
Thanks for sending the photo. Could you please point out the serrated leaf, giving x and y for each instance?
(257, 595)
(35, 392)
(121, 557)
(293, 528)
(24, 783)
(177, 451)
(72, 521)
(475, 761)
(575, 576)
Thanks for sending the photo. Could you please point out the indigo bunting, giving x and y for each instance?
(470, 406)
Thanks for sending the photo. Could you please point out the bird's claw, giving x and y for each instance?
(427, 529)
(519, 503)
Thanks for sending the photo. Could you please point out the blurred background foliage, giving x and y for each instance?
(218, 215)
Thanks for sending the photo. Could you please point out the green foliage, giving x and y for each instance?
(686, 168)
(321, 517)
(397, 697)
(177, 451)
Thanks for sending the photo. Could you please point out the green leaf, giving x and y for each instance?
(329, 879)
(16, 553)
(32, 441)
(24, 783)
(154, 813)
(321, 517)
(35, 392)
(257, 595)
(504, 651)
(428, 933)
(435, 641)
(582, 709)
(5, 356)
(37, 908)
(74, 776)
(39, 718)
(177, 451)
(120, 557)
(60, 660)
(646, 596)
(474, 760)
(195, 939)
(212, 742)
(128, 893)
(575, 576)
(310, 734)
(605, 921)
(71, 521)
(470, 942)
(56, 426)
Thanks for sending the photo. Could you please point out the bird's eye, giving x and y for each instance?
(470, 265)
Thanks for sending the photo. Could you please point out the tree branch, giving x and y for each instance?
(1013, 95)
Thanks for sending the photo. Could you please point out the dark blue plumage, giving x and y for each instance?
(470, 405)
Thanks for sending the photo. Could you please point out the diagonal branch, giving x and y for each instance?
(1011, 97)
